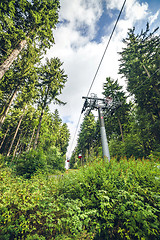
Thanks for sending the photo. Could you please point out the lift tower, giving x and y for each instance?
(92, 103)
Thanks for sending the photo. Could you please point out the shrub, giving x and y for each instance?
(131, 147)
(1, 159)
(25, 207)
(117, 200)
(116, 148)
(54, 159)
(155, 154)
(29, 163)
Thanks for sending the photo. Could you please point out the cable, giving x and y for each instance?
(106, 48)
(97, 72)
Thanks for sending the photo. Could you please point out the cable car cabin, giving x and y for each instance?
(80, 156)
(67, 160)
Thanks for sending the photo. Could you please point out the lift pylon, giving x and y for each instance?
(92, 103)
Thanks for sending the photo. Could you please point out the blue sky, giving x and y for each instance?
(80, 39)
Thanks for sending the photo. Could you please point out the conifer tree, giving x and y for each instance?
(51, 82)
(23, 23)
(140, 65)
(86, 135)
(116, 120)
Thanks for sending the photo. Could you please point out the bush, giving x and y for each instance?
(55, 160)
(113, 201)
(131, 147)
(155, 154)
(2, 161)
(29, 163)
(116, 148)
(117, 200)
(25, 206)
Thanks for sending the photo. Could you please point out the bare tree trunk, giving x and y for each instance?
(4, 137)
(31, 140)
(20, 120)
(21, 144)
(7, 63)
(4, 114)
(38, 129)
(40, 120)
(120, 126)
(15, 150)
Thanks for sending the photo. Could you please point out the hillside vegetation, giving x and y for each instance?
(100, 201)
(118, 200)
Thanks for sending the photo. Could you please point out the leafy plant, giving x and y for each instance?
(55, 160)
(31, 162)
(118, 200)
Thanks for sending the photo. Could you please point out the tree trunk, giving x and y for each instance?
(22, 146)
(4, 137)
(4, 114)
(120, 126)
(146, 70)
(31, 140)
(7, 63)
(15, 150)
(20, 120)
(40, 120)
(38, 129)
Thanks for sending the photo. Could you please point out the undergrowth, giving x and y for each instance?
(101, 201)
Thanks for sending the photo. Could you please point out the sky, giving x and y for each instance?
(81, 37)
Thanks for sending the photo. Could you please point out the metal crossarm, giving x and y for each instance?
(92, 103)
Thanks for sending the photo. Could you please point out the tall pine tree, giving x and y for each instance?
(140, 65)
(24, 22)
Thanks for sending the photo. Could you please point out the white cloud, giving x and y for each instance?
(154, 17)
(136, 11)
(81, 56)
(81, 14)
(114, 4)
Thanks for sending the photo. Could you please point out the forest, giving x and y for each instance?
(94, 199)
(29, 84)
(133, 129)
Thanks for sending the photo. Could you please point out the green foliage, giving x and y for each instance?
(29, 163)
(36, 161)
(116, 147)
(131, 147)
(27, 82)
(139, 65)
(51, 82)
(1, 159)
(54, 133)
(86, 136)
(21, 19)
(155, 154)
(119, 200)
(55, 160)
(24, 213)
(116, 120)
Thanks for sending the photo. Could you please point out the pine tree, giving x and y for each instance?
(140, 63)
(21, 77)
(118, 118)
(86, 136)
(23, 23)
(51, 82)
